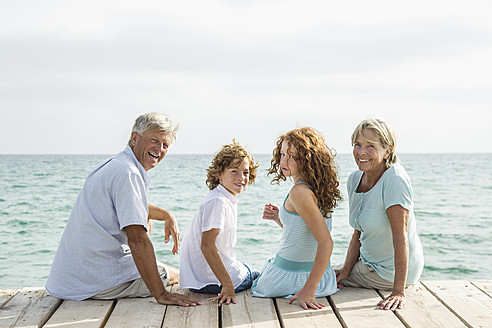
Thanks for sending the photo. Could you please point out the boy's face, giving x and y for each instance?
(235, 179)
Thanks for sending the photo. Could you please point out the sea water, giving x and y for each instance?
(453, 197)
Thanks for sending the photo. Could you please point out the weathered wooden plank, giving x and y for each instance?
(137, 312)
(422, 309)
(205, 315)
(438, 304)
(293, 315)
(357, 307)
(30, 307)
(250, 311)
(484, 285)
(6, 295)
(80, 314)
(468, 302)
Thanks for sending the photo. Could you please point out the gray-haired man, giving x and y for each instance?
(105, 251)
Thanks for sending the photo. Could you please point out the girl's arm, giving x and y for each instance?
(271, 213)
(398, 218)
(304, 203)
(211, 254)
(351, 258)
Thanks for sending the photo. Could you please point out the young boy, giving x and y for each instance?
(207, 259)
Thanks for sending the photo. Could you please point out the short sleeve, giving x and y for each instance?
(214, 215)
(398, 191)
(351, 182)
(130, 201)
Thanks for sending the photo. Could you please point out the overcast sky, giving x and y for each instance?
(76, 74)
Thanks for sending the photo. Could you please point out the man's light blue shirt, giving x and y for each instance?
(93, 254)
(367, 213)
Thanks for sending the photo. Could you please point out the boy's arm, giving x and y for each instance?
(211, 254)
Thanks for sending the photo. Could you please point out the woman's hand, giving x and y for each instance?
(341, 274)
(227, 295)
(306, 300)
(393, 302)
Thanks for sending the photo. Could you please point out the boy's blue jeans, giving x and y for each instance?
(215, 289)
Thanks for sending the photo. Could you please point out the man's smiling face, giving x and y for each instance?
(150, 147)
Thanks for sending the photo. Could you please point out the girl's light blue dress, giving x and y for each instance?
(286, 273)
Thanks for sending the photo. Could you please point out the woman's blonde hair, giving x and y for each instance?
(385, 134)
(230, 156)
(315, 162)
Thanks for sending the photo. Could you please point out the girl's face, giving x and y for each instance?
(288, 164)
(368, 152)
(235, 179)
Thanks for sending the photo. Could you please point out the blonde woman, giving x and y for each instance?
(385, 250)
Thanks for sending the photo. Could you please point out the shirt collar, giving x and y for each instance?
(145, 175)
(226, 192)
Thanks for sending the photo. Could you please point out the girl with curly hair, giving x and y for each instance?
(301, 269)
(208, 260)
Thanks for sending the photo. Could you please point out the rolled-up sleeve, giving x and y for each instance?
(398, 191)
(130, 201)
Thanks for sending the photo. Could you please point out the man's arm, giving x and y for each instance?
(144, 258)
(170, 224)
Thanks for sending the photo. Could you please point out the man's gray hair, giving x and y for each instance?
(155, 120)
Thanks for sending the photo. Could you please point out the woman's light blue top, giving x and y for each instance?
(367, 213)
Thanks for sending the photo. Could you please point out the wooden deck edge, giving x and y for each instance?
(440, 290)
(7, 295)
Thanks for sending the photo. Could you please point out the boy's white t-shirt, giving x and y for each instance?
(218, 210)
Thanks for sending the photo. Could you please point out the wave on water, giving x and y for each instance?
(460, 270)
(458, 238)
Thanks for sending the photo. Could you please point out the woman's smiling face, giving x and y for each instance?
(369, 153)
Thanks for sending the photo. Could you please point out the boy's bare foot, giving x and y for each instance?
(173, 275)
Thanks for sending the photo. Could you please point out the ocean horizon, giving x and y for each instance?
(452, 194)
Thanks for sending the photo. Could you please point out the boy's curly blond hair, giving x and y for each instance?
(230, 156)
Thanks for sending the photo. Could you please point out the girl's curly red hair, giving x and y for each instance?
(315, 162)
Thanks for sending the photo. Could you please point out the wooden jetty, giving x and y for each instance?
(447, 304)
